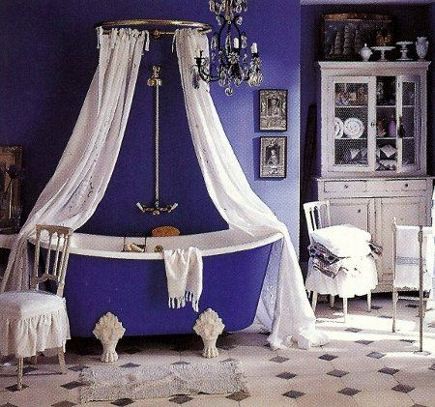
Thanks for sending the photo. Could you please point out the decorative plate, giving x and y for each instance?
(338, 127)
(388, 150)
(353, 127)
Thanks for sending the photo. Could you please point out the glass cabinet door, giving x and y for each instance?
(387, 108)
(351, 123)
(408, 123)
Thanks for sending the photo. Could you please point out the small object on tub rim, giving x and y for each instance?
(165, 231)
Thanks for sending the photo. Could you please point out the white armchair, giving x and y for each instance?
(33, 321)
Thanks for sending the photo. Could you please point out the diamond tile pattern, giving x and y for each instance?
(388, 370)
(13, 388)
(337, 373)
(354, 330)
(279, 359)
(357, 364)
(364, 342)
(349, 391)
(376, 355)
(72, 385)
(286, 375)
(181, 399)
(64, 403)
(328, 357)
(122, 402)
(376, 307)
(403, 388)
(239, 396)
(293, 394)
(129, 365)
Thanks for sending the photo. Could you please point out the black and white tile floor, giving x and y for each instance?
(363, 365)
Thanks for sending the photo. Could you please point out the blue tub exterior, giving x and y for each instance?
(135, 291)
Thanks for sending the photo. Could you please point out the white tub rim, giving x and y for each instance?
(250, 243)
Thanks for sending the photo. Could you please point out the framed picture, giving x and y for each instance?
(273, 157)
(10, 188)
(344, 34)
(273, 109)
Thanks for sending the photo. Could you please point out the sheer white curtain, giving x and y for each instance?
(83, 173)
(284, 306)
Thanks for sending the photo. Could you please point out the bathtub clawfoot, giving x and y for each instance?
(209, 326)
(109, 331)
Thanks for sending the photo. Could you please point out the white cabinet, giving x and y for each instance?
(373, 148)
(373, 118)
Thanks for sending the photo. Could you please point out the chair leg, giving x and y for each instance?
(331, 301)
(20, 373)
(314, 301)
(61, 357)
(345, 309)
(369, 301)
(395, 298)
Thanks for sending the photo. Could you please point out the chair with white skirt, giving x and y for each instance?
(34, 321)
(341, 261)
(413, 261)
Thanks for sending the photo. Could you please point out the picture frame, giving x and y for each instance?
(273, 157)
(344, 34)
(273, 109)
(10, 188)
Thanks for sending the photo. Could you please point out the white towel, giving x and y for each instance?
(344, 240)
(408, 257)
(184, 276)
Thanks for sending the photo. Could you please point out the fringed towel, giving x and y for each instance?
(408, 257)
(184, 276)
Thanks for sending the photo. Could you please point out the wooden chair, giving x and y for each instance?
(20, 311)
(317, 215)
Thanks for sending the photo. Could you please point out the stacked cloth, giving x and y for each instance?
(342, 262)
(341, 248)
(407, 261)
(184, 276)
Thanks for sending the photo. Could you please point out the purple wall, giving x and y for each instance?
(431, 139)
(48, 58)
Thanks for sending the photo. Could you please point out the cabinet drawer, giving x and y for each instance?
(346, 187)
(399, 185)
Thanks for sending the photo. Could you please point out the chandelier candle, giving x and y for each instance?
(229, 62)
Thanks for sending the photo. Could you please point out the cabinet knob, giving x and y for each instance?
(406, 185)
(359, 211)
(373, 124)
(346, 186)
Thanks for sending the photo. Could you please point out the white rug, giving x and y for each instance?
(113, 383)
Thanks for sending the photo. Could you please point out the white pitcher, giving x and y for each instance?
(421, 46)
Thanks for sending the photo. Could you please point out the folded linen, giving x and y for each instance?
(184, 276)
(344, 240)
(408, 257)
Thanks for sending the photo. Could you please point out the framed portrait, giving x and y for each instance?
(273, 157)
(273, 109)
(10, 188)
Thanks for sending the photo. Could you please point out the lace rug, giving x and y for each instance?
(154, 381)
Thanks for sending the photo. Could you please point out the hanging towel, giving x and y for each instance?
(408, 257)
(184, 276)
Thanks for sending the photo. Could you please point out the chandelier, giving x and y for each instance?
(229, 63)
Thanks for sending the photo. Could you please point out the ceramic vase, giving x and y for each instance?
(365, 53)
(421, 46)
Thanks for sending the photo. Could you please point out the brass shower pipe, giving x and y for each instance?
(158, 30)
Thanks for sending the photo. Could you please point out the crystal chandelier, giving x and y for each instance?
(229, 63)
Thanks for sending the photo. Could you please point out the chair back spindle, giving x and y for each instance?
(317, 215)
(58, 241)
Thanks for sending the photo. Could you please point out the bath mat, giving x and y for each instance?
(155, 381)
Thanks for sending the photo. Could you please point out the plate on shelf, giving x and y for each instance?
(338, 127)
(353, 127)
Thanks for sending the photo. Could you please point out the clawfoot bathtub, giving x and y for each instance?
(102, 278)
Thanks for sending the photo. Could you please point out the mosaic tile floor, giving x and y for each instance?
(363, 365)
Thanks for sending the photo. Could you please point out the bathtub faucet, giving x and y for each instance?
(156, 209)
